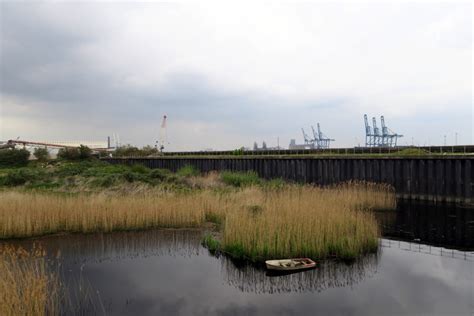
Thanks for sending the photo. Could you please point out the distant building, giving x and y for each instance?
(294, 145)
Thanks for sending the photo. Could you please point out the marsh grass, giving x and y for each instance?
(28, 285)
(256, 222)
(305, 221)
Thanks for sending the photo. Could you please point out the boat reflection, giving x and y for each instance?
(327, 274)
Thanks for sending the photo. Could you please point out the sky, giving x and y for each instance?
(227, 76)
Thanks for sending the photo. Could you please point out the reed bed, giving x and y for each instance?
(34, 214)
(302, 221)
(256, 222)
(27, 284)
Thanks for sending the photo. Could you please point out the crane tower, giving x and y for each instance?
(374, 137)
(163, 137)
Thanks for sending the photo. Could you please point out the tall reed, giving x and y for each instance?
(27, 284)
(301, 221)
(256, 221)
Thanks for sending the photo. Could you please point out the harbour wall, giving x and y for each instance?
(437, 179)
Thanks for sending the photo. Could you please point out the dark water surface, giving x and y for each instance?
(168, 272)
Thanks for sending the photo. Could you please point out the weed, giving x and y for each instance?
(212, 244)
(240, 179)
(188, 171)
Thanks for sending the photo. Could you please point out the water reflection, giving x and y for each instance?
(327, 274)
(447, 225)
(80, 249)
(167, 272)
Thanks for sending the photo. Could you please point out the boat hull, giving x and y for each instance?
(290, 264)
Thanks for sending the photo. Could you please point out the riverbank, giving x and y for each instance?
(255, 219)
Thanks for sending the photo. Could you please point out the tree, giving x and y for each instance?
(84, 152)
(41, 154)
(14, 157)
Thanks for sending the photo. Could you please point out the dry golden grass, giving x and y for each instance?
(257, 221)
(27, 286)
(306, 221)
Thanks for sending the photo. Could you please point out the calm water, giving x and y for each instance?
(167, 272)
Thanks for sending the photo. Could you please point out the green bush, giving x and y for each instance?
(132, 151)
(21, 176)
(81, 152)
(130, 176)
(106, 181)
(41, 154)
(84, 152)
(76, 168)
(160, 174)
(238, 151)
(188, 171)
(240, 179)
(14, 157)
(140, 169)
(69, 153)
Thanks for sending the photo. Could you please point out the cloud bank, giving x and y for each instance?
(227, 76)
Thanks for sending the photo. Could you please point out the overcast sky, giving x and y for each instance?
(229, 76)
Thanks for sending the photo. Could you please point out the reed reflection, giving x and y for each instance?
(327, 274)
(78, 249)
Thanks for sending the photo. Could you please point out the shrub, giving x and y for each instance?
(130, 176)
(140, 169)
(159, 174)
(41, 154)
(20, 176)
(240, 179)
(188, 171)
(238, 151)
(75, 168)
(81, 152)
(106, 181)
(14, 157)
(132, 151)
(69, 153)
(84, 152)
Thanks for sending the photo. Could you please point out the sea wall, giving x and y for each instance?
(439, 179)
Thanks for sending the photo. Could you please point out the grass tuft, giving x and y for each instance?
(240, 179)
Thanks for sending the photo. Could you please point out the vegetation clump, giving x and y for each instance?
(14, 157)
(411, 152)
(72, 153)
(240, 179)
(211, 243)
(132, 151)
(188, 171)
(41, 154)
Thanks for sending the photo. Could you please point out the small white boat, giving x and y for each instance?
(290, 264)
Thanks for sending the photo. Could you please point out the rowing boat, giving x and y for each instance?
(290, 264)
